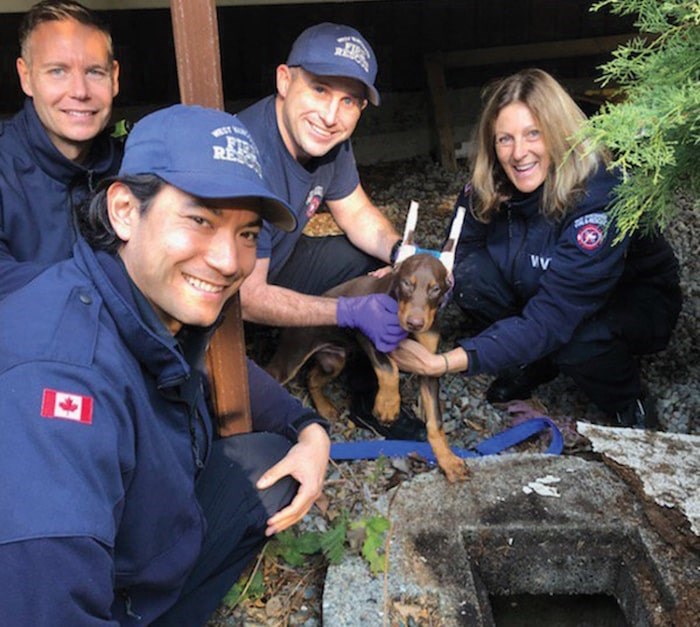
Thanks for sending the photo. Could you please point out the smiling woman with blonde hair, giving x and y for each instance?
(560, 118)
(537, 266)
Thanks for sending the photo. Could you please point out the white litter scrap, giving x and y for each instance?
(543, 486)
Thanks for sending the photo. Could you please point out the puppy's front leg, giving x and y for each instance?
(453, 467)
(387, 402)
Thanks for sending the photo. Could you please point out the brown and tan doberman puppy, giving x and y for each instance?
(419, 284)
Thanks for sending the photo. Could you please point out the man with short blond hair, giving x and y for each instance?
(55, 150)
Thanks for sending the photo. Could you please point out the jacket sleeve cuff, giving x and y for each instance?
(306, 419)
(473, 361)
(473, 366)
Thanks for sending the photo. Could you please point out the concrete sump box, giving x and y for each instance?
(522, 524)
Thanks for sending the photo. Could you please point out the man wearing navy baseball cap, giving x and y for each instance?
(336, 50)
(303, 132)
(115, 485)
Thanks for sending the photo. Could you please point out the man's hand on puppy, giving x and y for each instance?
(376, 316)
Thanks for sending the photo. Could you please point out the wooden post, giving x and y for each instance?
(437, 87)
(196, 36)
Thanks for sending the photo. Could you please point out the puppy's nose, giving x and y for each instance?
(415, 323)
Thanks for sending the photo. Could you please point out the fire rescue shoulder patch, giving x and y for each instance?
(590, 231)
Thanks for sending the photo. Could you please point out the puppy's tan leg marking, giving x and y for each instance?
(387, 402)
(453, 467)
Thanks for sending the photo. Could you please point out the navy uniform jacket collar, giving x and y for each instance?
(100, 161)
(526, 205)
(158, 352)
(599, 192)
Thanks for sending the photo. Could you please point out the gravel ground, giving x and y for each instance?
(293, 595)
(671, 375)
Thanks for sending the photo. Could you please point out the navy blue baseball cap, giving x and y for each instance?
(206, 153)
(336, 50)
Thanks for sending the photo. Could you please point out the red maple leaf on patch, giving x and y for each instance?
(68, 405)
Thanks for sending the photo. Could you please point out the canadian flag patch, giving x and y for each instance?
(55, 404)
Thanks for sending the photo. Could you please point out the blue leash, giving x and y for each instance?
(371, 449)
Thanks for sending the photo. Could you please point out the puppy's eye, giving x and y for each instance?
(406, 285)
(435, 291)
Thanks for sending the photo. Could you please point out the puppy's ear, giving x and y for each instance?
(395, 280)
(408, 247)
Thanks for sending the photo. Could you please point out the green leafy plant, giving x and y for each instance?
(333, 540)
(120, 130)
(247, 588)
(294, 547)
(652, 128)
(375, 529)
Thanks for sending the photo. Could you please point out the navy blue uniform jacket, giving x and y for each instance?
(39, 188)
(562, 273)
(101, 412)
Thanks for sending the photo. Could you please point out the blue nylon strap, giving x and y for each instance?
(371, 449)
(428, 251)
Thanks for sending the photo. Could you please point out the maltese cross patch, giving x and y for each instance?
(589, 237)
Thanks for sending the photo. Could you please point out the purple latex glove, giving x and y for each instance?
(376, 316)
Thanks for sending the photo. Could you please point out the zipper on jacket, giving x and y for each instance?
(511, 244)
(196, 453)
(124, 594)
(514, 274)
(194, 417)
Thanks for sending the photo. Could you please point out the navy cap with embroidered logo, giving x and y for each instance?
(206, 153)
(336, 50)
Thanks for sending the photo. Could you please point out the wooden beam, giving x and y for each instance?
(535, 51)
(197, 52)
(437, 63)
(228, 373)
(196, 35)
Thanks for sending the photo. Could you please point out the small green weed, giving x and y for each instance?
(247, 588)
(293, 548)
(375, 529)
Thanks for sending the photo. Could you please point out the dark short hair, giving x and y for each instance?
(56, 10)
(93, 217)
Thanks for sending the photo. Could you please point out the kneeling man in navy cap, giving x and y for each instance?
(119, 505)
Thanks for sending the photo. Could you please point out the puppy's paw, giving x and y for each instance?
(386, 407)
(454, 468)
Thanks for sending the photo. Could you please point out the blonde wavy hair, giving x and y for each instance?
(559, 119)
